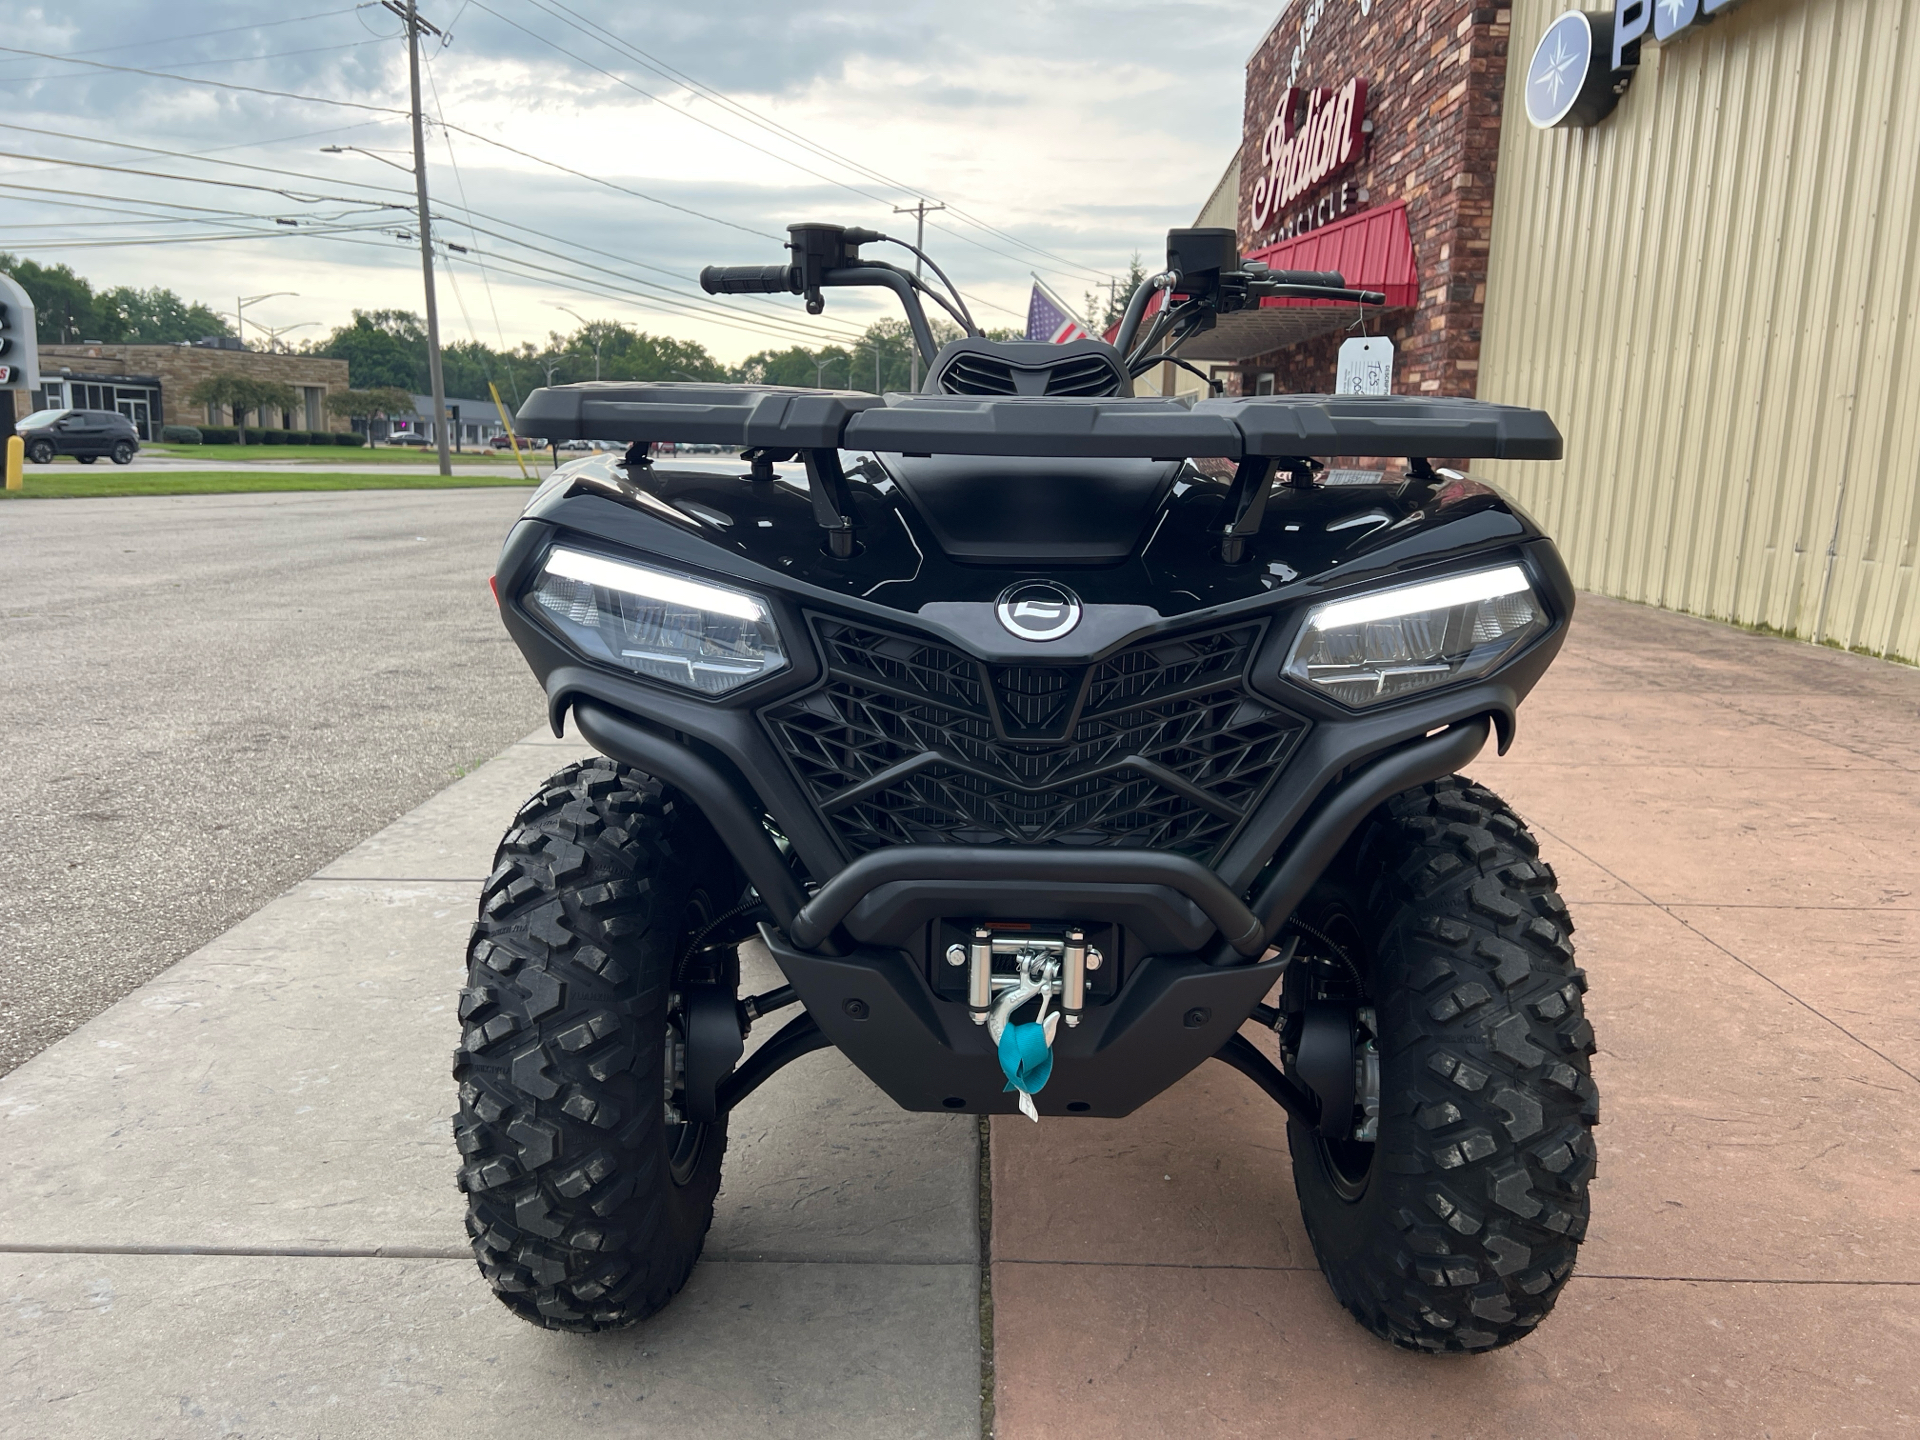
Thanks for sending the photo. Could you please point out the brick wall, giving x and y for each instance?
(1435, 74)
(181, 367)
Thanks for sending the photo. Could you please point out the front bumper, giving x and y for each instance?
(1173, 1014)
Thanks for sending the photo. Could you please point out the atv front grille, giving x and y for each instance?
(908, 741)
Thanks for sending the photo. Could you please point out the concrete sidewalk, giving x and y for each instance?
(229, 1208)
(1733, 821)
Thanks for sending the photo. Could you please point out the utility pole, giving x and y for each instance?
(410, 13)
(919, 212)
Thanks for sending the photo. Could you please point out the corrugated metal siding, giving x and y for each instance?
(1714, 292)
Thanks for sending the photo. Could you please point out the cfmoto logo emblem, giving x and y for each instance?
(1038, 610)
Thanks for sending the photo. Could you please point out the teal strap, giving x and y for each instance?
(1025, 1057)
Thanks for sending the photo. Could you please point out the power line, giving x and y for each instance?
(190, 179)
(56, 243)
(285, 54)
(591, 29)
(704, 302)
(752, 116)
(189, 155)
(649, 95)
(598, 180)
(694, 306)
(723, 315)
(186, 80)
(120, 201)
(376, 109)
(460, 184)
(389, 110)
(203, 34)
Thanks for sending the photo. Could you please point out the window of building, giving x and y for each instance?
(1263, 383)
(315, 397)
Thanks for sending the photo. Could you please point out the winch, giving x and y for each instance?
(1044, 967)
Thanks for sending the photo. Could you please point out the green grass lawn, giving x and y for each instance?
(47, 483)
(332, 454)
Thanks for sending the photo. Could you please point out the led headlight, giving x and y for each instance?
(670, 627)
(1373, 648)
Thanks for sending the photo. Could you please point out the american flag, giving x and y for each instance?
(1049, 319)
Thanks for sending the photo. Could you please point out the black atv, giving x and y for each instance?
(1054, 741)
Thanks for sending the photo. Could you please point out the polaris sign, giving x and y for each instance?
(1585, 61)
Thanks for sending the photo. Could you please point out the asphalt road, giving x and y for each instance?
(203, 699)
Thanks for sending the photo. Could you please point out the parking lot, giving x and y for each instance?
(229, 1205)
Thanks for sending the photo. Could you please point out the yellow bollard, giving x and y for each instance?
(16, 456)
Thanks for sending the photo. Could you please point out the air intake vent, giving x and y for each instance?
(1083, 375)
(1080, 375)
(978, 375)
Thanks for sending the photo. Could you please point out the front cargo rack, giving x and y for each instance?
(1262, 433)
(1274, 426)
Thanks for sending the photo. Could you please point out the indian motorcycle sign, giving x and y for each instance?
(1312, 137)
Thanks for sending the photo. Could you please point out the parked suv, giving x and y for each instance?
(84, 434)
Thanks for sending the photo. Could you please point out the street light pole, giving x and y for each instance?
(414, 26)
(919, 213)
(240, 303)
(586, 324)
(274, 332)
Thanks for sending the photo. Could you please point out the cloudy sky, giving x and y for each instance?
(1064, 137)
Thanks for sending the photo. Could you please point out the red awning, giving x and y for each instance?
(1372, 250)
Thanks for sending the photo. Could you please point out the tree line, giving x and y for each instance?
(67, 309)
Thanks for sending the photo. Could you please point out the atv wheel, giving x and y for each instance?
(1456, 1229)
(588, 1197)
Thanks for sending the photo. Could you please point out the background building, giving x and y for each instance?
(1395, 190)
(1715, 289)
(1714, 292)
(149, 384)
(471, 423)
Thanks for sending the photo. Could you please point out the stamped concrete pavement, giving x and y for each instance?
(229, 1206)
(1732, 818)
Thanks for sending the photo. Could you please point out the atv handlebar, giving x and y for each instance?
(1324, 279)
(749, 280)
(1204, 274)
(828, 255)
(1287, 291)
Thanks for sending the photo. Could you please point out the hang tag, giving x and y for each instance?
(1366, 366)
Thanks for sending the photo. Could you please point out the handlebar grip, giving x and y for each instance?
(1329, 279)
(748, 280)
